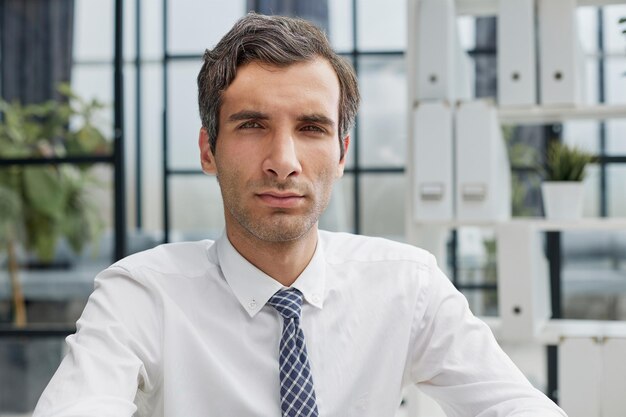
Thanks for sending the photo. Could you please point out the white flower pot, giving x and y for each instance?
(562, 200)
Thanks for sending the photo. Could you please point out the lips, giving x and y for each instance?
(281, 199)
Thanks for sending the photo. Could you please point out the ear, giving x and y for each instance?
(342, 161)
(207, 160)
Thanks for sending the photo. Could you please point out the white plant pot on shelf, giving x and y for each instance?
(562, 200)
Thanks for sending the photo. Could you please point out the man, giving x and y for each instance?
(277, 318)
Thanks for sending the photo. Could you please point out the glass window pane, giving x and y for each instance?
(476, 262)
(183, 121)
(103, 196)
(93, 30)
(591, 196)
(340, 25)
(382, 201)
(588, 28)
(616, 184)
(591, 81)
(197, 25)
(382, 25)
(196, 207)
(130, 29)
(96, 82)
(339, 216)
(57, 294)
(582, 133)
(27, 366)
(615, 81)
(616, 137)
(152, 148)
(382, 122)
(614, 39)
(594, 275)
(526, 194)
(151, 28)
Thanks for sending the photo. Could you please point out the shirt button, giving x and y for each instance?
(252, 305)
(316, 298)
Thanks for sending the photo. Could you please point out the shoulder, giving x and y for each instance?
(184, 258)
(346, 247)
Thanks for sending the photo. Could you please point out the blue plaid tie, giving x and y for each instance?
(296, 382)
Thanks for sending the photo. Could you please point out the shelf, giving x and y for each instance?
(546, 225)
(539, 223)
(490, 7)
(553, 331)
(544, 115)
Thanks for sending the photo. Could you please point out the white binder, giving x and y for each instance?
(483, 173)
(517, 84)
(435, 50)
(523, 284)
(433, 190)
(613, 398)
(580, 377)
(560, 58)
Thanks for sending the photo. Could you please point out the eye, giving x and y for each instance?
(313, 128)
(250, 124)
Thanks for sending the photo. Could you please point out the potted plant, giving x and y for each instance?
(42, 204)
(562, 190)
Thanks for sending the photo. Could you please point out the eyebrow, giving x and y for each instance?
(247, 115)
(316, 118)
(253, 114)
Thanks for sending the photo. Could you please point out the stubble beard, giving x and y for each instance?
(280, 226)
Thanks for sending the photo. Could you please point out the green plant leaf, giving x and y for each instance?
(10, 211)
(44, 190)
(87, 140)
(566, 163)
(53, 201)
(82, 222)
(42, 235)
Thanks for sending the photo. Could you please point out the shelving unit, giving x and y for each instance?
(528, 296)
(529, 273)
(542, 224)
(490, 7)
(548, 115)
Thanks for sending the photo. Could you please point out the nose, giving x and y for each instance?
(282, 161)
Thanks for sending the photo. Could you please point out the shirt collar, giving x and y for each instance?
(253, 288)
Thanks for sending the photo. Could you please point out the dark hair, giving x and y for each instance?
(274, 40)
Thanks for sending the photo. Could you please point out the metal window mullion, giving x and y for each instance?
(118, 155)
(165, 169)
(602, 124)
(138, 120)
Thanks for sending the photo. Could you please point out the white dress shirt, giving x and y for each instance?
(184, 330)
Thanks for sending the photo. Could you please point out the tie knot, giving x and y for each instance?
(287, 302)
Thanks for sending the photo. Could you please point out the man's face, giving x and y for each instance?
(277, 152)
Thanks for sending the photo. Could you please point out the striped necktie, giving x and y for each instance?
(297, 396)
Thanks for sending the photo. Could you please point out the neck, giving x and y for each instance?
(283, 261)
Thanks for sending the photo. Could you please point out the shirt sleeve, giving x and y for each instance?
(113, 354)
(457, 361)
